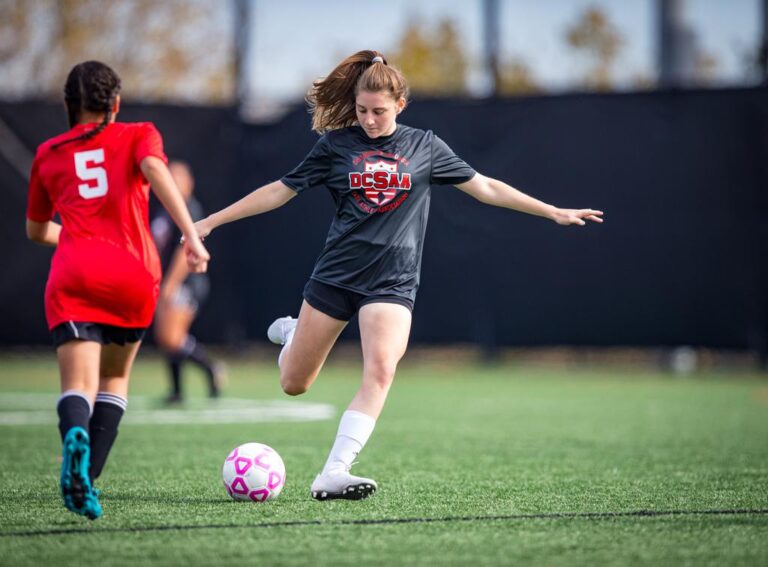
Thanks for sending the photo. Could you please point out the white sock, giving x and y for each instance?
(354, 430)
(288, 340)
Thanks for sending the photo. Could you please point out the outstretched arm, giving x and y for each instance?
(270, 196)
(156, 172)
(499, 194)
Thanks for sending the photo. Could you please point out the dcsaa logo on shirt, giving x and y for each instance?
(380, 181)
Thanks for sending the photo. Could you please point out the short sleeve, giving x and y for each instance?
(149, 143)
(313, 170)
(39, 205)
(447, 167)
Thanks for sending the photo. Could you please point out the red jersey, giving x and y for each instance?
(106, 267)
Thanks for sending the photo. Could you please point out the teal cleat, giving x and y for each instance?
(79, 496)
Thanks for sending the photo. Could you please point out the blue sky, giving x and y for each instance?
(295, 41)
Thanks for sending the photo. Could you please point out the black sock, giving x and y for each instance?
(74, 410)
(107, 413)
(195, 352)
(174, 365)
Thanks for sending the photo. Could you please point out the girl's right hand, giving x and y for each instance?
(196, 254)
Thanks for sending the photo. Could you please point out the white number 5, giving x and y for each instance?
(85, 173)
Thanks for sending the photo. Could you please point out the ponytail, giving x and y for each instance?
(332, 99)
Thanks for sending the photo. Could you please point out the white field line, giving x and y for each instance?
(39, 409)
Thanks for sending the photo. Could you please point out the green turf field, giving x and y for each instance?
(476, 466)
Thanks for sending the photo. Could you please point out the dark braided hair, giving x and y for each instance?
(91, 86)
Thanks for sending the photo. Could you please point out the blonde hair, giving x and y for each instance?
(332, 99)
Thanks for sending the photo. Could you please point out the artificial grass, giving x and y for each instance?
(476, 465)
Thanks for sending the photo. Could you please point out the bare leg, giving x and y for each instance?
(115, 368)
(172, 325)
(384, 331)
(79, 371)
(79, 367)
(302, 359)
(111, 401)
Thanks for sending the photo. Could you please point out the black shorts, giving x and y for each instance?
(96, 332)
(341, 303)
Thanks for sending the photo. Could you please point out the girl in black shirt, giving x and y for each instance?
(379, 174)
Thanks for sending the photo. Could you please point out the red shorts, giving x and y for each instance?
(100, 282)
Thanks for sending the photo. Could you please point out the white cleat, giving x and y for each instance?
(342, 485)
(279, 329)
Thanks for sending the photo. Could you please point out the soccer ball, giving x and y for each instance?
(253, 471)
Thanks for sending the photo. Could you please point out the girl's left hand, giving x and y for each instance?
(577, 216)
(203, 228)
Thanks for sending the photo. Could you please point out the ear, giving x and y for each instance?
(116, 107)
(400, 105)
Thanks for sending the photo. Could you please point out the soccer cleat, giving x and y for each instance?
(280, 328)
(335, 485)
(79, 496)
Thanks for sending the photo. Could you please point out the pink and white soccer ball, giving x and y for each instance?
(253, 471)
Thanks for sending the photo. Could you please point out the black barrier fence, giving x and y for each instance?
(681, 259)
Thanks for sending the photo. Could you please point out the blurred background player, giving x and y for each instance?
(181, 295)
(105, 273)
(379, 174)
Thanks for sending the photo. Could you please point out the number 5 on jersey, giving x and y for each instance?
(91, 173)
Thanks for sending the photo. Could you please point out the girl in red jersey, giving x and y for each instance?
(105, 273)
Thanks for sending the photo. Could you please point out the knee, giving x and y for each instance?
(381, 373)
(168, 336)
(293, 385)
(170, 343)
(293, 389)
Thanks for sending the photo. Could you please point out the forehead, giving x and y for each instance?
(374, 99)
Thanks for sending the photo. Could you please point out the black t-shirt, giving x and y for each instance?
(381, 188)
